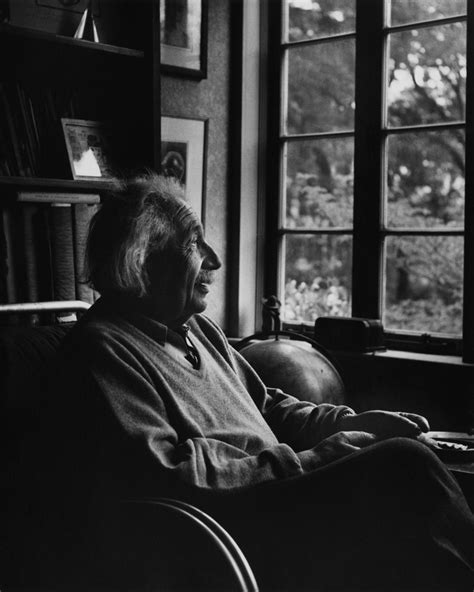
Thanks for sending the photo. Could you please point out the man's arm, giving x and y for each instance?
(300, 424)
(196, 461)
(303, 424)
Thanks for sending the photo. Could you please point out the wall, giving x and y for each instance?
(209, 98)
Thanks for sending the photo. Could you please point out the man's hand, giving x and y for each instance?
(342, 444)
(385, 424)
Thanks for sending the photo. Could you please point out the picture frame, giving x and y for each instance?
(184, 156)
(89, 149)
(183, 37)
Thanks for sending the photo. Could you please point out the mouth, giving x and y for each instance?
(203, 283)
(203, 287)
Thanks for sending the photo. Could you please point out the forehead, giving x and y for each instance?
(187, 221)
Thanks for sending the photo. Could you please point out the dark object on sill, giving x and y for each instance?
(271, 322)
(349, 333)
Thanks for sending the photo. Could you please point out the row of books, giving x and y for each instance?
(43, 247)
(31, 141)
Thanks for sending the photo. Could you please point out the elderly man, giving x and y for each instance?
(319, 497)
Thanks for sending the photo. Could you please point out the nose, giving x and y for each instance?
(211, 258)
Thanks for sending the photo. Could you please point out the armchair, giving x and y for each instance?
(160, 544)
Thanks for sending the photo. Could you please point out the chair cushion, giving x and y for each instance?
(25, 356)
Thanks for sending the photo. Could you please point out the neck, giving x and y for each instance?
(148, 307)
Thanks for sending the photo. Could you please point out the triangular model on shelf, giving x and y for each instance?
(87, 29)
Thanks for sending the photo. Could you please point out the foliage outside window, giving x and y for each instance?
(420, 233)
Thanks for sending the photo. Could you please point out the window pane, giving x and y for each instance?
(310, 20)
(408, 11)
(427, 75)
(319, 183)
(425, 179)
(423, 289)
(321, 87)
(317, 277)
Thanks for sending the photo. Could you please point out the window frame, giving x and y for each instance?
(370, 134)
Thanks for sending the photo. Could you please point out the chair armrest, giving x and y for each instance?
(165, 544)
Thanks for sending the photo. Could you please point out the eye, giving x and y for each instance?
(193, 243)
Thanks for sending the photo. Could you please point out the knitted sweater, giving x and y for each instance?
(149, 418)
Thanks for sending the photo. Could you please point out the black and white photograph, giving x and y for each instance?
(183, 156)
(89, 145)
(236, 296)
(183, 31)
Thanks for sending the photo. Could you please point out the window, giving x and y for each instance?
(370, 125)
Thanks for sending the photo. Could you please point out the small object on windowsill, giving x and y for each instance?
(460, 437)
(271, 322)
(349, 334)
(452, 450)
(86, 29)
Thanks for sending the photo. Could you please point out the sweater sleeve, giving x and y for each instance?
(200, 462)
(300, 424)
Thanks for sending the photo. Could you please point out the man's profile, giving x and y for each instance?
(318, 496)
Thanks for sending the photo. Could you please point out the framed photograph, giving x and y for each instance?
(88, 145)
(183, 35)
(183, 155)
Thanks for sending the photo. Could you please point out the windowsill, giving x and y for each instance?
(394, 354)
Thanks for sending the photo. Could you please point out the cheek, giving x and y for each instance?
(193, 266)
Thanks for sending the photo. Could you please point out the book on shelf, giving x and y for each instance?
(7, 268)
(27, 130)
(39, 241)
(62, 254)
(30, 128)
(14, 100)
(7, 163)
(11, 130)
(82, 216)
(15, 254)
(31, 267)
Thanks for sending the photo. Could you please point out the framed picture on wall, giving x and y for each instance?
(89, 145)
(183, 156)
(183, 35)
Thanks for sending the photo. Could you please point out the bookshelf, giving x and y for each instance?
(53, 184)
(11, 34)
(47, 78)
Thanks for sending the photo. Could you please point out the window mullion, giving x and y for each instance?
(272, 207)
(468, 298)
(368, 180)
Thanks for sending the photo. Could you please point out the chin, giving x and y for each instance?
(199, 306)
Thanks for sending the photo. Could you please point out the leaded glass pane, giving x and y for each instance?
(320, 87)
(425, 179)
(317, 276)
(423, 284)
(427, 75)
(311, 20)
